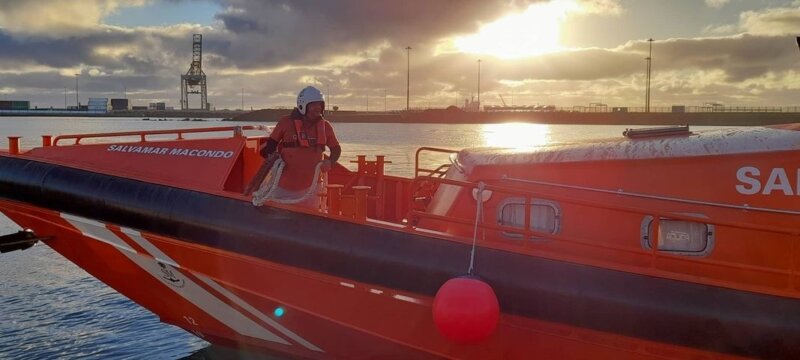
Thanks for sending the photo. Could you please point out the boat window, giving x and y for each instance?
(679, 237)
(545, 216)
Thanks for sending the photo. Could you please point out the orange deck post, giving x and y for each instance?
(47, 140)
(380, 190)
(362, 164)
(361, 202)
(380, 160)
(335, 199)
(13, 145)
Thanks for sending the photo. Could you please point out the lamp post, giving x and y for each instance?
(647, 91)
(408, 75)
(77, 102)
(242, 99)
(65, 98)
(479, 84)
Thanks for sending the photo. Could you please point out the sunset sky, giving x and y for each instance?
(560, 52)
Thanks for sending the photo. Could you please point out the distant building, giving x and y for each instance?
(139, 108)
(471, 105)
(157, 106)
(119, 104)
(15, 105)
(98, 105)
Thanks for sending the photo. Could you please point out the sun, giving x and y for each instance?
(533, 32)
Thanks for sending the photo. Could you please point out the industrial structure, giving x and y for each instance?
(194, 81)
(120, 105)
(15, 104)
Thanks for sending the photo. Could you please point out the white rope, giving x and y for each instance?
(267, 189)
(478, 218)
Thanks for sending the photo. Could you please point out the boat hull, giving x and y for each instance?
(219, 268)
(231, 300)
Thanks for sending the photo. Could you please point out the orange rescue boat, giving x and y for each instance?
(663, 243)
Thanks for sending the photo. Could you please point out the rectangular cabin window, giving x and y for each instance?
(545, 216)
(679, 237)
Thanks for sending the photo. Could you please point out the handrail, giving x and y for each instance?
(432, 149)
(655, 197)
(527, 232)
(440, 171)
(237, 131)
(603, 205)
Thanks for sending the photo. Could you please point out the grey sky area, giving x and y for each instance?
(561, 52)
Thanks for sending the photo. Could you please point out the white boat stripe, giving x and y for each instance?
(149, 247)
(258, 314)
(188, 289)
(85, 225)
(157, 253)
(82, 220)
(407, 299)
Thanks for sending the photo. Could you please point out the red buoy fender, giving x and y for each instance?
(465, 310)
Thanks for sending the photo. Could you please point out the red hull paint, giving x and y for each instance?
(229, 299)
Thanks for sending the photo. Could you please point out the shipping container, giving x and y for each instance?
(119, 104)
(5, 105)
(20, 105)
(98, 105)
(157, 106)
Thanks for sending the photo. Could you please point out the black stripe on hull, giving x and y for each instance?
(657, 309)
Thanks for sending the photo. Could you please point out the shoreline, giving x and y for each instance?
(443, 116)
(449, 116)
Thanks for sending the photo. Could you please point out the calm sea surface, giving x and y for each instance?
(51, 309)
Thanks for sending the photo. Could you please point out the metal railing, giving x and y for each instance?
(679, 109)
(414, 217)
(179, 133)
(440, 171)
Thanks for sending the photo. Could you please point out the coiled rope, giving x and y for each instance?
(267, 189)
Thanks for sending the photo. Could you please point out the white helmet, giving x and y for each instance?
(308, 95)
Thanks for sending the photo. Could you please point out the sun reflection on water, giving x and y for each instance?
(515, 135)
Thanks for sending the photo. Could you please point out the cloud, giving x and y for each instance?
(601, 7)
(740, 57)
(728, 29)
(273, 48)
(57, 19)
(114, 49)
(716, 3)
(777, 21)
(773, 21)
(308, 31)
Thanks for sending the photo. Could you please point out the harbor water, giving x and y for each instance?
(51, 309)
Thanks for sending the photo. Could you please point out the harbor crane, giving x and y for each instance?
(194, 81)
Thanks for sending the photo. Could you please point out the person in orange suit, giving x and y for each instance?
(301, 138)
